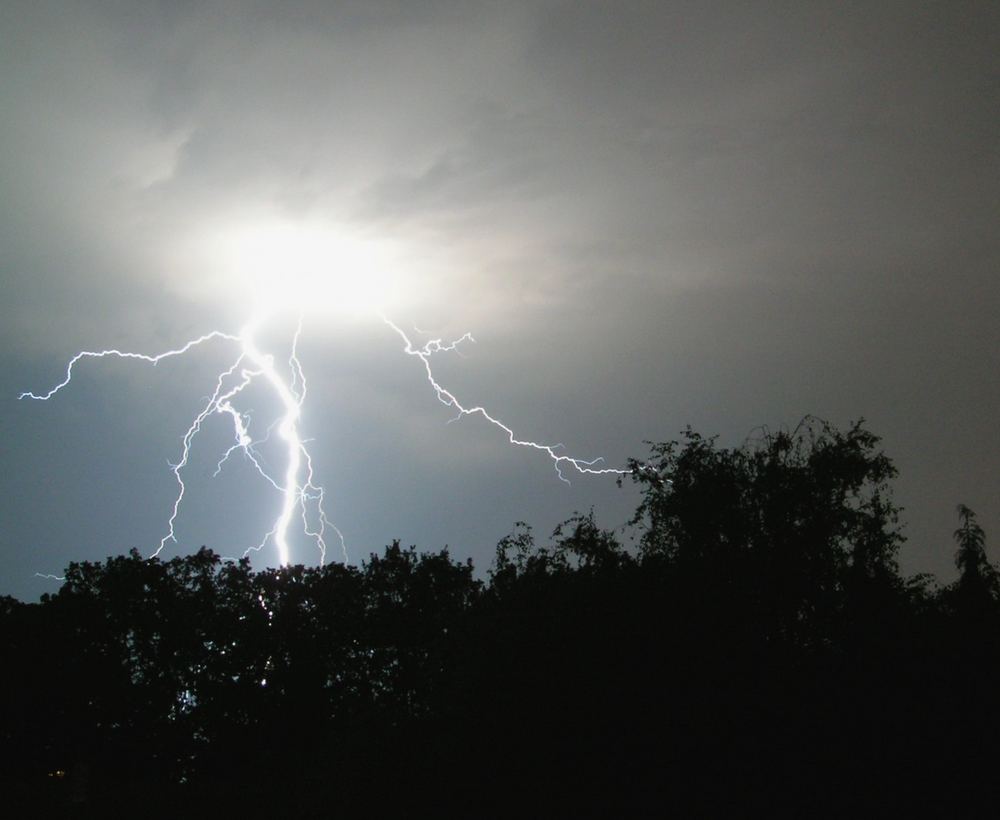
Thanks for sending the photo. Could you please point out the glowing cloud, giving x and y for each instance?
(278, 268)
(307, 267)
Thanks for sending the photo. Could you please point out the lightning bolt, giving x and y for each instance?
(298, 490)
(448, 399)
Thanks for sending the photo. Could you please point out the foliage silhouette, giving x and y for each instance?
(978, 578)
(756, 649)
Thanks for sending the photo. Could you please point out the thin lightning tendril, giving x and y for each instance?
(89, 354)
(448, 399)
(298, 489)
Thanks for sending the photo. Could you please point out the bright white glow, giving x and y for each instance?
(307, 267)
(299, 490)
(275, 267)
(291, 492)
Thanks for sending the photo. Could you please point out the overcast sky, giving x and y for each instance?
(649, 215)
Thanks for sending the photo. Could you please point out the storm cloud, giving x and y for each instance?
(650, 214)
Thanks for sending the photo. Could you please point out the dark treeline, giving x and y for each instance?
(751, 645)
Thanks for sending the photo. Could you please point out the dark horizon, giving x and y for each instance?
(758, 651)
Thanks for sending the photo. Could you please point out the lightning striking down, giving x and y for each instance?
(298, 489)
(448, 399)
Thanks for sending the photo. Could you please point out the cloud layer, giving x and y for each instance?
(650, 214)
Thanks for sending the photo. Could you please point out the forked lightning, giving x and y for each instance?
(300, 496)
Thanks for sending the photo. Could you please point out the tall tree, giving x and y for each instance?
(977, 591)
(788, 519)
(970, 557)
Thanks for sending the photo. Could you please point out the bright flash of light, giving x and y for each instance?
(298, 490)
(279, 269)
(448, 399)
(301, 267)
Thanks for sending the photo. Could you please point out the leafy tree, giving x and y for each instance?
(975, 570)
(758, 647)
(582, 542)
(975, 596)
(786, 521)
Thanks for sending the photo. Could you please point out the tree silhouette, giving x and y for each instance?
(788, 520)
(755, 649)
(977, 575)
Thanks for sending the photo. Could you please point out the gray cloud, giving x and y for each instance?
(650, 214)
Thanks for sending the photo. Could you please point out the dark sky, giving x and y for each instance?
(649, 214)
